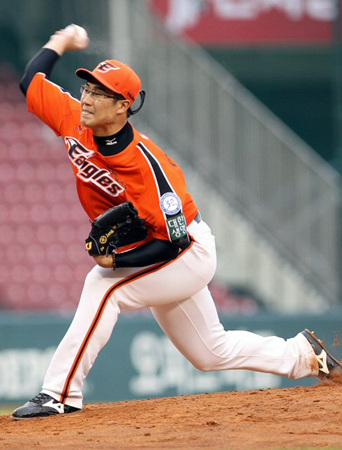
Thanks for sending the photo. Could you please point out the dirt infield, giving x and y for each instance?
(270, 418)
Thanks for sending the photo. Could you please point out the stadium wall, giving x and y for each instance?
(139, 361)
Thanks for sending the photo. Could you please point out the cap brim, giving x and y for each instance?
(87, 75)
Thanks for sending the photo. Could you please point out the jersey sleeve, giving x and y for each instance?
(50, 103)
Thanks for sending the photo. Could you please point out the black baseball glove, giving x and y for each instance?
(117, 227)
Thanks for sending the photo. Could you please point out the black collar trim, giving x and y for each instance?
(111, 145)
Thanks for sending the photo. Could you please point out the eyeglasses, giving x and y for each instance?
(85, 90)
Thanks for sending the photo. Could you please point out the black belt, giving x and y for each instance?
(198, 217)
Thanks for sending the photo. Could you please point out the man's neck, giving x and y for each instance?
(109, 130)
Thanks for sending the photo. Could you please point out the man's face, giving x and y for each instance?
(100, 111)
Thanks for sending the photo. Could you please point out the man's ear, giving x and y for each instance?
(125, 104)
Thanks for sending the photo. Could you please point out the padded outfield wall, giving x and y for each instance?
(139, 361)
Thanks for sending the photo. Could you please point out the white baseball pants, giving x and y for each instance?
(180, 301)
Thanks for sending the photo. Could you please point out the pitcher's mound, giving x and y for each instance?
(271, 418)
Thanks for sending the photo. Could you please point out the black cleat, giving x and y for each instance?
(328, 366)
(43, 405)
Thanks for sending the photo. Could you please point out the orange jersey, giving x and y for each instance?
(142, 173)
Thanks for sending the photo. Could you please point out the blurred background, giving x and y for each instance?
(247, 96)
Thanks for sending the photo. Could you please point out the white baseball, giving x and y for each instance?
(80, 35)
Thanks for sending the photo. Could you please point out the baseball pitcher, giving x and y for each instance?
(150, 246)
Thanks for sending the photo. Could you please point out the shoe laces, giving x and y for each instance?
(40, 398)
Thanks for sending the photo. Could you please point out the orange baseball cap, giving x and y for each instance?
(116, 76)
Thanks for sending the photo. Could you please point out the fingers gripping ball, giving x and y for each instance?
(117, 227)
(79, 35)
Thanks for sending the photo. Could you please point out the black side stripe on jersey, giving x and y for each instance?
(163, 183)
(98, 315)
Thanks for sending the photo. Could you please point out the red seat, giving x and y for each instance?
(33, 193)
(39, 200)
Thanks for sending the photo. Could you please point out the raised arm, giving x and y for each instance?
(70, 38)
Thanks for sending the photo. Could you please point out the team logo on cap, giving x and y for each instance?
(170, 203)
(106, 67)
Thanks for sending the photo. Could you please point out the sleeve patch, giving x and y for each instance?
(170, 203)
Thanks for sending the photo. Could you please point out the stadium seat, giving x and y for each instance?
(45, 259)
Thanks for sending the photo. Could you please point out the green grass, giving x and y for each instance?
(6, 409)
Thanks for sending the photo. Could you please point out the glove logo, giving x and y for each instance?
(115, 228)
(170, 203)
(103, 239)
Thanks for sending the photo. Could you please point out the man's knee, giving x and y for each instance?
(206, 364)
